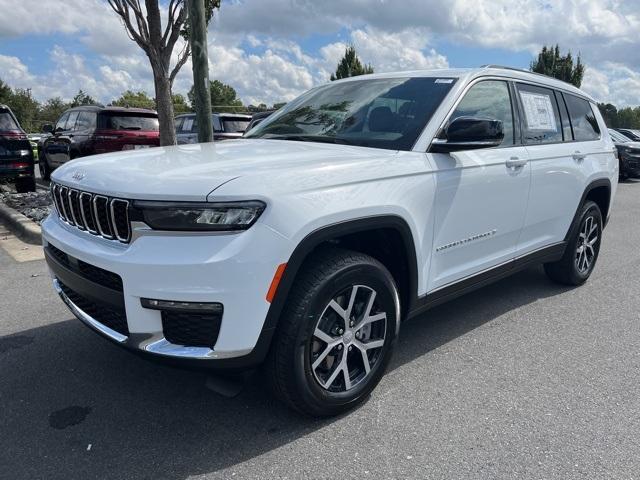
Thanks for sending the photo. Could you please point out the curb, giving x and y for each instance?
(21, 226)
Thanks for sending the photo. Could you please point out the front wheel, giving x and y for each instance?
(336, 334)
(582, 251)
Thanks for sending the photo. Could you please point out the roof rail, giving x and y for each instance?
(524, 71)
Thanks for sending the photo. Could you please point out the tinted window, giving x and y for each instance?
(583, 120)
(129, 121)
(541, 120)
(489, 99)
(232, 125)
(71, 121)
(86, 120)
(61, 123)
(7, 122)
(178, 123)
(359, 112)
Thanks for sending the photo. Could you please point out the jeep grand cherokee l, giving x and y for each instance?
(16, 154)
(362, 203)
(89, 130)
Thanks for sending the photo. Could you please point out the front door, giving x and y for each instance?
(481, 195)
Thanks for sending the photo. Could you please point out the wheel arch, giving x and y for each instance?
(598, 191)
(351, 234)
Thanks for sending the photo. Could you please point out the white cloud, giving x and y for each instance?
(256, 44)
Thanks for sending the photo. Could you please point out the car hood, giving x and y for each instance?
(631, 145)
(192, 172)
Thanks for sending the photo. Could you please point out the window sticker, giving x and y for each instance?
(538, 111)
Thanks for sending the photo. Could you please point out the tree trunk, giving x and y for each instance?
(164, 106)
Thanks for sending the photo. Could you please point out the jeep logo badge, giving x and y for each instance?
(78, 176)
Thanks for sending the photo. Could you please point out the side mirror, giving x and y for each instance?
(468, 133)
(47, 128)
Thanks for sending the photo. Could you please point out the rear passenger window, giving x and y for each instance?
(487, 99)
(541, 120)
(178, 123)
(584, 123)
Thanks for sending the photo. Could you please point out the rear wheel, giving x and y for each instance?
(43, 165)
(26, 184)
(583, 248)
(336, 334)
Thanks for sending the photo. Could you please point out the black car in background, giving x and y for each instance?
(92, 129)
(226, 126)
(628, 154)
(16, 154)
(258, 118)
(630, 133)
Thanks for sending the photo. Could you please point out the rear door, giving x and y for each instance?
(481, 195)
(560, 152)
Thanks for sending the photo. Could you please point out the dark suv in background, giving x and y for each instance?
(226, 126)
(630, 133)
(90, 130)
(16, 154)
(628, 155)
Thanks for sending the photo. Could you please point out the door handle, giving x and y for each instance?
(515, 162)
(578, 157)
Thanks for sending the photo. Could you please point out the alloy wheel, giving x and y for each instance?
(587, 242)
(348, 339)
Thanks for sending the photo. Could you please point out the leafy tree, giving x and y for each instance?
(144, 27)
(609, 113)
(51, 110)
(5, 92)
(350, 65)
(223, 97)
(551, 63)
(133, 99)
(180, 104)
(278, 106)
(83, 98)
(25, 109)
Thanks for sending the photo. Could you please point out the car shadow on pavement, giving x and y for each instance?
(74, 406)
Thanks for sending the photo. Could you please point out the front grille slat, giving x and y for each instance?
(96, 214)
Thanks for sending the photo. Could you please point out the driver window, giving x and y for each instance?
(488, 99)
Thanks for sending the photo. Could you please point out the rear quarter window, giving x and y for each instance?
(583, 120)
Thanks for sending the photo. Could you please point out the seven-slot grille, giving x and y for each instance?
(96, 214)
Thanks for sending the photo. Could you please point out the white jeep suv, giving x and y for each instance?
(360, 204)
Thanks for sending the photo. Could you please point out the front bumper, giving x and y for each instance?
(232, 269)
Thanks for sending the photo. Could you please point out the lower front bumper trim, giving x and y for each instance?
(87, 319)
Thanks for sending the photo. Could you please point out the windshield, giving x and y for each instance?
(7, 122)
(618, 137)
(234, 125)
(120, 121)
(387, 113)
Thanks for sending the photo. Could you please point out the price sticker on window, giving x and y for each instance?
(538, 111)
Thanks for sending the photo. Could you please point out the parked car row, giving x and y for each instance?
(628, 152)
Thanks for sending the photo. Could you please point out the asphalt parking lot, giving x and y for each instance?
(522, 379)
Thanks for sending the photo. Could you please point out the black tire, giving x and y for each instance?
(43, 165)
(26, 184)
(571, 269)
(289, 366)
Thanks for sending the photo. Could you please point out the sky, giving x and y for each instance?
(273, 50)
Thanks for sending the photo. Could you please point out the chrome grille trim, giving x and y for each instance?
(123, 238)
(84, 217)
(77, 221)
(96, 212)
(92, 213)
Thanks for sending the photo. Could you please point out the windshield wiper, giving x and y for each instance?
(308, 138)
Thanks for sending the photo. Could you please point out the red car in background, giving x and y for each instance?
(89, 130)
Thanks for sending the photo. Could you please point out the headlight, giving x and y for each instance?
(198, 216)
